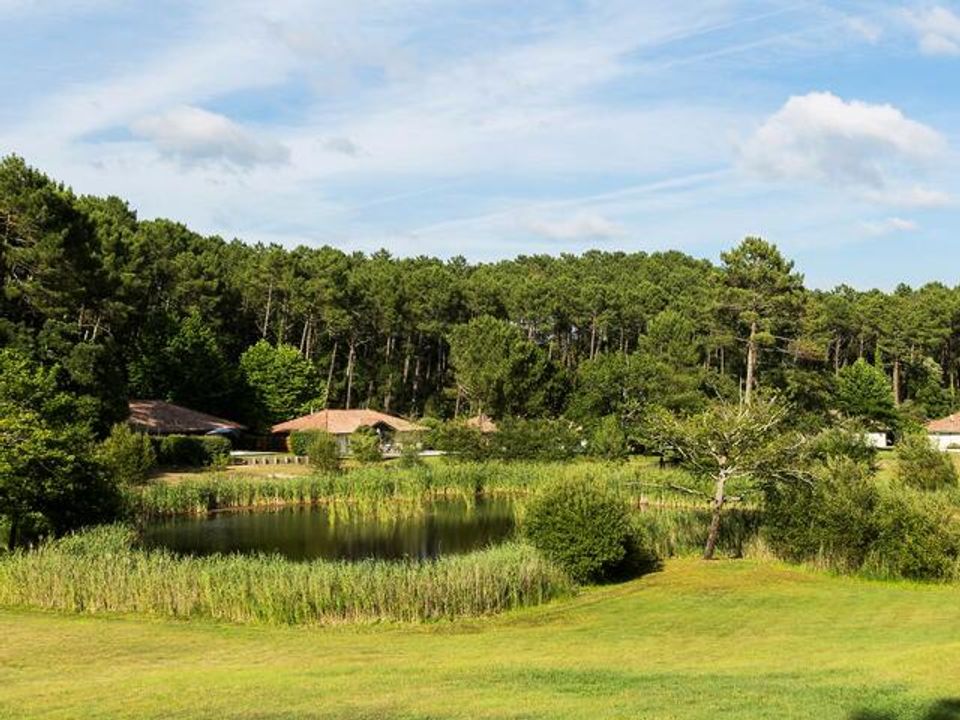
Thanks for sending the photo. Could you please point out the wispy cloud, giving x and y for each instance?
(888, 226)
(195, 136)
(937, 29)
(581, 226)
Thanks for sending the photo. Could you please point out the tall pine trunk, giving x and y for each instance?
(751, 363)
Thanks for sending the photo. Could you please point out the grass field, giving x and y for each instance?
(731, 639)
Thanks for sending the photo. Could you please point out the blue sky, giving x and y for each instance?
(492, 129)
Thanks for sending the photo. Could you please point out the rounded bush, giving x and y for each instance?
(323, 452)
(584, 528)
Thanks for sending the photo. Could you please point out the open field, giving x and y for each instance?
(731, 639)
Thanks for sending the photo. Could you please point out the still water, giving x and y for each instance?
(339, 532)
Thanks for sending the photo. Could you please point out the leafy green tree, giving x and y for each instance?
(609, 440)
(764, 294)
(498, 369)
(127, 456)
(49, 481)
(282, 381)
(922, 466)
(735, 447)
(864, 393)
(365, 445)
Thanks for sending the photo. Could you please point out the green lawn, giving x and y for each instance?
(727, 639)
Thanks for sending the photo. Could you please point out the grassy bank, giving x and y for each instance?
(697, 641)
(98, 571)
(639, 481)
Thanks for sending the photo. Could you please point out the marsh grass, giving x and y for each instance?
(101, 570)
(638, 483)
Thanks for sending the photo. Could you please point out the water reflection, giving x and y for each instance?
(342, 531)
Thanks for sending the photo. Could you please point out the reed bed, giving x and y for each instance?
(674, 532)
(372, 485)
(102, 571)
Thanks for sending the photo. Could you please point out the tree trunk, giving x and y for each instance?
(266, 314)
(350, 356)
(14, 531)
(896, 381)
(751, 363)
(714, 533)
(333, 361)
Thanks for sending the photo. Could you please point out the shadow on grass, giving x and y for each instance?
(947, 709)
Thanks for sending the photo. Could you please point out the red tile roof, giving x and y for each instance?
(157, 417)
(947, 425)
(345, 422)
(483, 423)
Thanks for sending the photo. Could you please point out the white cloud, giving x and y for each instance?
(823, 138)
(938, 30)
(915, 196)
(869, 31)
(195, 137)
(889, 225)
(582, 226)
(342, 146)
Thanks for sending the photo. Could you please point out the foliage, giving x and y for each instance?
(192, 450)
(846, 441)
(738, 448)
(365, 445)
(126, 455)
(845, 520)
(100, 573)
(323, 452)
(922, 466)
(49, 481)
(498, 369)
(585, 529)
(283, 382)
(863, 393)
(608, 439)
(522, 439)
(298, 441)
(410, 456)
(461, 440)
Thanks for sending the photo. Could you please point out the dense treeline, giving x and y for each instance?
(128, 308)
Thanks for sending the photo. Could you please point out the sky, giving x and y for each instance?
(491, 129)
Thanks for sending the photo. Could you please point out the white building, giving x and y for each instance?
(945, 432)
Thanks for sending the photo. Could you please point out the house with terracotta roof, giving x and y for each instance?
(157, 417)
(945, 432)
(343, 423)
(483, 423)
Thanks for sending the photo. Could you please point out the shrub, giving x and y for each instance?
(844, 441)
(460, 440)
(298, 442)
(609, 440)
(585, 529)
(323, 452)
(193, 450)
(520, 439)
(846, 521)
(365, 445)
(410, 456)
(922, 466)
(128, 456)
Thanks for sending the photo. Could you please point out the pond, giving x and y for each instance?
(339, 532)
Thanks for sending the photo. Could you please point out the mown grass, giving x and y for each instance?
(100, 571)
(730, 639)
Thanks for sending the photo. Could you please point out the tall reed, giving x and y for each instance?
(100, 571)
(641, 485)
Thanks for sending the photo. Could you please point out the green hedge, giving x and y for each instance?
(191, 450)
